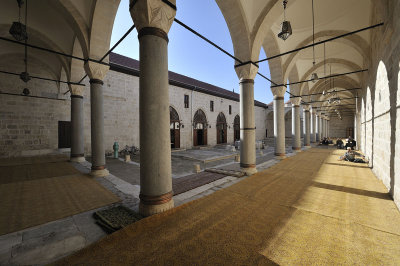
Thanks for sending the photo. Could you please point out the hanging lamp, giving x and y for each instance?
(18, 30)
(286, 28)
(314, 76)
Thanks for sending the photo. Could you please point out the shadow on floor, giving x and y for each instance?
(362, 192)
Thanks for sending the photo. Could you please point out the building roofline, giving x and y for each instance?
(130, 66)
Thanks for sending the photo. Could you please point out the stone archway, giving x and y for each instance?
(222, 129)
(236, 128)
(381, 126)
(199, 128)
(174, 125)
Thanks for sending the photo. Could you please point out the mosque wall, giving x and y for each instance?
(338, 127)
(29, 125)
(380, 95)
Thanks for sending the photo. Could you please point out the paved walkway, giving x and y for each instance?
(45, 243)
(308, 209)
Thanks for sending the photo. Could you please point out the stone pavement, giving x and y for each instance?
(48, 242)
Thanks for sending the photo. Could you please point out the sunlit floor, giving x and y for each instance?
(307, 209)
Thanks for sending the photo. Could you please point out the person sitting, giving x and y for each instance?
(350, 156)
(350, 143)
(325, 141)
(330, 141)
(339, 144)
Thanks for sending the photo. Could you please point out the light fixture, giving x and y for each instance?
(18, 30)
(286, 28)
(314, 76)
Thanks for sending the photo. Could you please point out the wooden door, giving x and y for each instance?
(205, 136)
(64, 134)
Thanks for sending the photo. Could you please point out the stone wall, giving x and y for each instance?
(29, 124)
(338, 127)
(380, 99)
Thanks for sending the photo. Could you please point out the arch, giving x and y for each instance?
(175, 126)
(102, 24)
(362, 117)
(338, 61)
(354, 41)
(222, 129)
(381, 126)
(236, 128)
(368, 124)
(199, 128)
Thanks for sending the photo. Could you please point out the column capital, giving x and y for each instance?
(77, 90)
(295, 101)
(96, 71)
(278, 91)
(153, 14)
(306, 107)
(248, 71)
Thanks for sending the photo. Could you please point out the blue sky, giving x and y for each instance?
(188, 54)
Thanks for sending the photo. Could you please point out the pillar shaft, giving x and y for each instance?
(296, 142)
(97, 124)
(77, 135)
(307, 128)
(313, 121)
(247, 126)
(279, 125)
(318, 128)
(155, 161)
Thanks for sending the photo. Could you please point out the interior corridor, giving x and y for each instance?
(307, 209)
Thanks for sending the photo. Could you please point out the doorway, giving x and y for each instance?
(199, 128)
(64, 134)
(174, 125)
(221, 129)
(236, 128)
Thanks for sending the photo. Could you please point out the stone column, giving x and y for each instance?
(153, 20)
(313, 127)
(246, 76)
(96, 73)
(327, 128)
(317, 127)
(296, 141)
(306, 125)
(279, 120)
(320, 127)
(77, 135)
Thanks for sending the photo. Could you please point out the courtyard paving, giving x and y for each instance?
(48, 242)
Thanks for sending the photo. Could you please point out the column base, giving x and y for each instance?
(147, 210)
(79, 159)
(249, 171)
(99, 173)
(296, 149)
(307, 146)
(280, 156)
